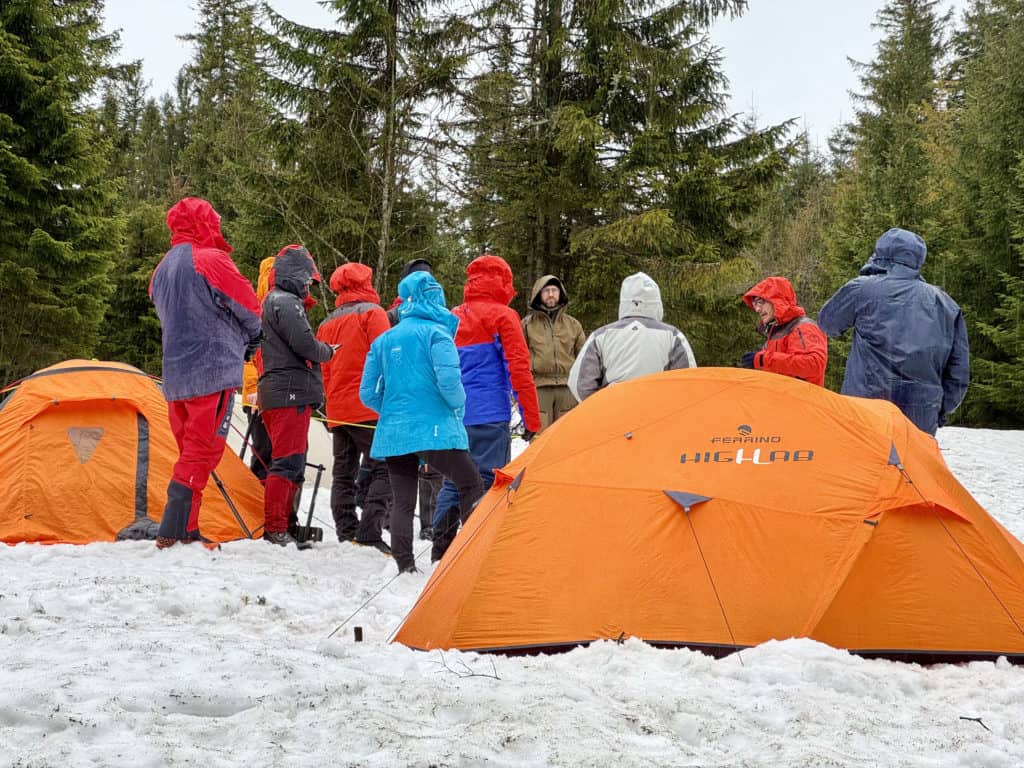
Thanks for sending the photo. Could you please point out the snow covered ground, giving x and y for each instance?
(119, 655)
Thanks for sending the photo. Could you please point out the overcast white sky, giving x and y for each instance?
(784, 58)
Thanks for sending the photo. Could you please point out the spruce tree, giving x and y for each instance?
(221, 117)
(889, 179)
(350, 135)
(131, 329)
(892, 160)
(600, 146)
(989, 268)
(58, 230)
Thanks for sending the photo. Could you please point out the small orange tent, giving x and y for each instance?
(720, 508)
(86, 453)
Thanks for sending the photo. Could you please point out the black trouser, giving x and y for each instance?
(430, 483)
(259, 441)
(456, 465)
(350, 442)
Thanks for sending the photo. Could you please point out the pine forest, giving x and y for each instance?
(583, 138)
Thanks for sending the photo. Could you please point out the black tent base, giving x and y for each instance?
(923, 658)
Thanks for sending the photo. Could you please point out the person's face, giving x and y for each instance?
(764, 309)
(549, 296)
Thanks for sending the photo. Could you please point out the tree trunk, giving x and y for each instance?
(388, 180)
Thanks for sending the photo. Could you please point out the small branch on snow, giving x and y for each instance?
(465, 671)
(976, 720)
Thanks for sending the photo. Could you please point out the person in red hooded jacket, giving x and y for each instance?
(794, 344)
(210, 324)
(357, 320)
(495, 363)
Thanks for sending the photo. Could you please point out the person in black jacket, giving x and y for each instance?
(291, 386)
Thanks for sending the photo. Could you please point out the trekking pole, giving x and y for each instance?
(231, 504)
(250, 445)
(306, 532)
(246, 436)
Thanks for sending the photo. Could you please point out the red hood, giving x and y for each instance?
(489, 279)
(353, 282)
(780, 293)
(193, 220)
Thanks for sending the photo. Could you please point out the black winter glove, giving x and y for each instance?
(748, 359)
(252, 346)
(528, 435)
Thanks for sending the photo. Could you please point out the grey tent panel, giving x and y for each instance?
(518, 480)
(686, 500)
(894, 456)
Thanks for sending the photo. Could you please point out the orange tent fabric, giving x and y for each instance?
(720, 508)
(86, 451)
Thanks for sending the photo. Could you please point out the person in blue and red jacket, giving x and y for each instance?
(291, 385)
(357, 320)
(495, 363)
(210, 324)
(794, 345)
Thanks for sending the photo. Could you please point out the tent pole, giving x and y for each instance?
(714, 587)
(231, 504)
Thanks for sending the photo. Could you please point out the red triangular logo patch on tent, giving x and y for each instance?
(84, 440)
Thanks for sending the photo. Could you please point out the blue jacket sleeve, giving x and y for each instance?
(371, 388)
(957, 374)
(444, 358)
(840, 312)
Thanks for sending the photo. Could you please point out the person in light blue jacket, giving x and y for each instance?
(909, 337)
(412, 380)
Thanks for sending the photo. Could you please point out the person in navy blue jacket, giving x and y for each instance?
(909, 337)
(210, 323)
(411, 379)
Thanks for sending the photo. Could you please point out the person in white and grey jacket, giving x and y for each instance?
(637, 344)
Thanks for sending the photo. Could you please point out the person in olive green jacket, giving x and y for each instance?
(555, 338)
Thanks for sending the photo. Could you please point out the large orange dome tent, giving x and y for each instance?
(721, 508)
(86, 453)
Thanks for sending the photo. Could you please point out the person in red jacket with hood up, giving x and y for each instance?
(210, 323)
(794, 344)
(495, 363)
(357, 320)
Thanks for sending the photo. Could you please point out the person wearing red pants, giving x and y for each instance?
(291, 385)
(210, 322)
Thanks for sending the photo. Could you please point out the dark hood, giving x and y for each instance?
(293, 268)
(540, 285)
(897, 247)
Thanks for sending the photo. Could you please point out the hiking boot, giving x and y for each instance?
(427, 534)
(380, 545)
(409, 569)
(163, 542)
(283, 539)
